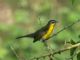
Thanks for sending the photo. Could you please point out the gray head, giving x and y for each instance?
(52, 21)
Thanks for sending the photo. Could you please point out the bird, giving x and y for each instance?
(43, 33)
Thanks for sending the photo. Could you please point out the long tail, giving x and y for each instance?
(29, 35)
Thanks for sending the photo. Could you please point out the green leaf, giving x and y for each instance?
(72, 42)
(73, 2)
(78, 56)
(79, 36)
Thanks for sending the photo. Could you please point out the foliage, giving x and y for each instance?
(25, 20)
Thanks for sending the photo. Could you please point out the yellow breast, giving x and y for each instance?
(49, 32)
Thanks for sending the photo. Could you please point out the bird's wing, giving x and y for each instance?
(38, 34)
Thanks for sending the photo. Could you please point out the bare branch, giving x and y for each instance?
(14, 52)
(65, 28)
(59, 51)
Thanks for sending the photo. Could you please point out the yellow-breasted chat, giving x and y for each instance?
(44, 33)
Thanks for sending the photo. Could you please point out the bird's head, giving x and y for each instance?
(52, 21)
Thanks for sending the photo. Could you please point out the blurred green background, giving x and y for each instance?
(20, 17)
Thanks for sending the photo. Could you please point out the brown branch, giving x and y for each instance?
(59, 51)
(14, 52)
(62, 50)
(65, 28)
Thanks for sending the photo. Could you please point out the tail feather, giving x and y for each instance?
(20, 37)
(29, 35)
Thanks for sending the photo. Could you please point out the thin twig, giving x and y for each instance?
(65, 28)
(62, 50)
(71, 57)
(40, 23)
(47, 46)
(59, 51)
(14, 52)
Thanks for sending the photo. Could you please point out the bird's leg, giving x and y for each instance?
(47, 46)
